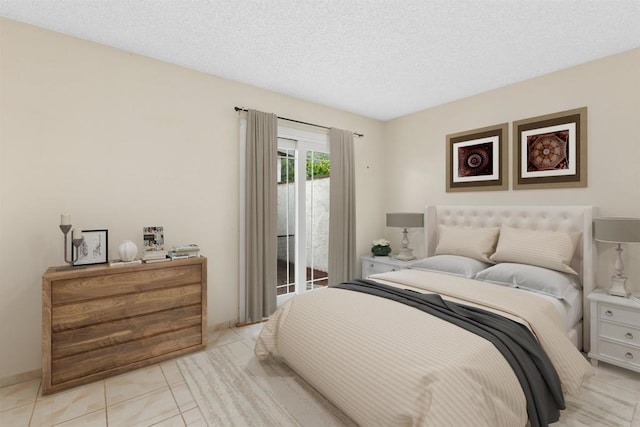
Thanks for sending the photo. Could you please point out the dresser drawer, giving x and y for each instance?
(101, 310)
(109, 358)
(623, 333)
(621, 353)
(71, 342)
(617, 314)
(118, 283)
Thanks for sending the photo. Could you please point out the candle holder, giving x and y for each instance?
(75, 242)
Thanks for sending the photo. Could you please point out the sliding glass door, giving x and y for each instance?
(303, 213)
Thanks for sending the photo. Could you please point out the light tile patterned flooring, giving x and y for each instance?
(158, 396)
(153, 396)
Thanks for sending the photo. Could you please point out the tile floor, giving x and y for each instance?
(158, 396)
(153, 396)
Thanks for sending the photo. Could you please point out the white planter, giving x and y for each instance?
(128, 250)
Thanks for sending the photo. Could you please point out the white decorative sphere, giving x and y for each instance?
(128, 250)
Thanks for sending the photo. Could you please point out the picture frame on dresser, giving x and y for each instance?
(153, 237)
(94, 248)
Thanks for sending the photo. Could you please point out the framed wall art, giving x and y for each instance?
(477, 159)
(94, 249)
(550, 151)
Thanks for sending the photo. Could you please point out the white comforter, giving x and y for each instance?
(387, 364)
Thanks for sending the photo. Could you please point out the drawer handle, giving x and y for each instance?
(628, 336)
(370, 265)
(608, 313)
(628, 355)
(393, 269)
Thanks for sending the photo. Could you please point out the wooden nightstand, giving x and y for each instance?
(615, 330)
(382, 264)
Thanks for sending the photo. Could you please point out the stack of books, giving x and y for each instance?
(119, 262)
(184, 251)
(155, 256)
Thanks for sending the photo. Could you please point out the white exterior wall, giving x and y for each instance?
(317, 193)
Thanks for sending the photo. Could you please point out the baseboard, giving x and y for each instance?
(220, 326)
(239, 325)
(20, 378)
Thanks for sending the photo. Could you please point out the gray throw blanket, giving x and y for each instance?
(535, 372)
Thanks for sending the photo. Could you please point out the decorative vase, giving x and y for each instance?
(381, 250)
(128, 250)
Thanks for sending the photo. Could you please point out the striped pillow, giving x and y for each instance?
(451, 264)
(476, 243)
(548, 249)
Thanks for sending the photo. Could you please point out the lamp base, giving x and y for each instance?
(405, 254)
(617, 287)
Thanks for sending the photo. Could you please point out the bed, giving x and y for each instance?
(384, 363)
(545, 218)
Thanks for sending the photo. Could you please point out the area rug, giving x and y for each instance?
(227, 395)
(233, 389)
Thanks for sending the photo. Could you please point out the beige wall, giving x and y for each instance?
(121, 141)
(609, 87)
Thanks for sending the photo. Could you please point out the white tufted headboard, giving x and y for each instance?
(545, 218)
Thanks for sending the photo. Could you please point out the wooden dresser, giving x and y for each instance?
(100, 321)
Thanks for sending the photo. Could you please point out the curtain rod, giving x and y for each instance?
(360, 135)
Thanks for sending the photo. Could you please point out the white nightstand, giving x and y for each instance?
(382, 264)
(615, 330)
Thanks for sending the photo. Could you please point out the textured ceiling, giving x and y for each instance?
(378, 58)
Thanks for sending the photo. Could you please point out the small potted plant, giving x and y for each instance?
(381, 247)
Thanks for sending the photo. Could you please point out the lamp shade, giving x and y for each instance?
(405, 220)
(617, 230)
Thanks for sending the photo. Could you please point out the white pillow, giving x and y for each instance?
(548, 249)
(451, 264)
(477, 243)
(531, 278)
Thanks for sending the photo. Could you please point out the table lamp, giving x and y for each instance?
(405, 220)
(617, 230)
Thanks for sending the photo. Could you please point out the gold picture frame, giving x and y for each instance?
(550, 151)
(477, 159)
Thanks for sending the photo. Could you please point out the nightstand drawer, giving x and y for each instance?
(376, 267)
(622, 353)
(617, 314)
(623, 333)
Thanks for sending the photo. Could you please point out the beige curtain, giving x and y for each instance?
(261, 215)
(342, 210)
